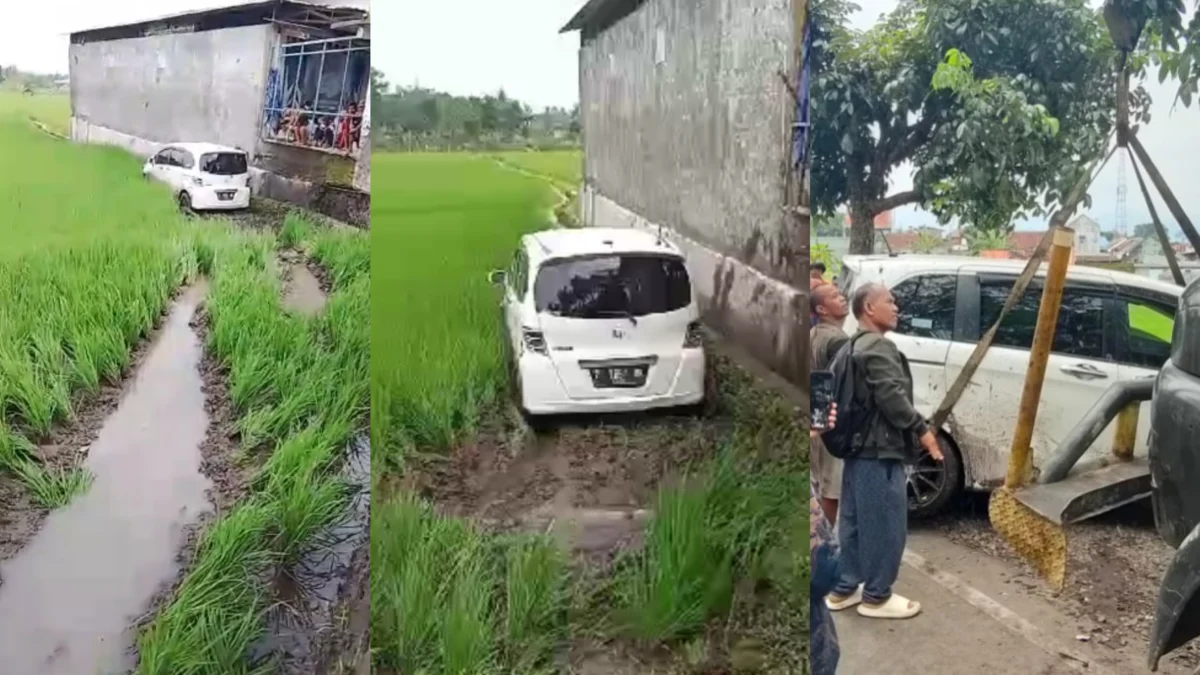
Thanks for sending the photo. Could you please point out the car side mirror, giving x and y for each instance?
(496, 277)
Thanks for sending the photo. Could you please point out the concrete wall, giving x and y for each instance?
(168, 88)
(685, 126)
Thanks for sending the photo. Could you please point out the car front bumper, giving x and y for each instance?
(543, 393)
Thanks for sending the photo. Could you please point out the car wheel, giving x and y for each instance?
(932, 484)
(185, 202)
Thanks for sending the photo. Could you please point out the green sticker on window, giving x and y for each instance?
(1150, 322)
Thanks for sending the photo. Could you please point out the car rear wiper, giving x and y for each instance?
(620, 313)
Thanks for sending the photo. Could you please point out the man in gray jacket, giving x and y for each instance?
(873, 513)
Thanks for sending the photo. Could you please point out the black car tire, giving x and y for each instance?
(933, 485)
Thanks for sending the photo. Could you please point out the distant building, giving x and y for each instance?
(685, 129)
(286, 81)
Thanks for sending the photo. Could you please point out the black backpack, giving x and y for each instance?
(845, 439)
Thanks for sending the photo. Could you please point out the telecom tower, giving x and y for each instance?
(1119, 225)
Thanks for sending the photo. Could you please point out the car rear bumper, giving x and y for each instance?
(206, 199)
(542, 392)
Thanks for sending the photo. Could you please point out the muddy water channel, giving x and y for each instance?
(305, 631)
(68, 599)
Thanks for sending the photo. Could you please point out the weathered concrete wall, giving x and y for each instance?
(169, 88)
(685, 126)
(767, 317)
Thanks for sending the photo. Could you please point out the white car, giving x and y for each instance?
(601, 320)
(202, 176)
(1113, 326)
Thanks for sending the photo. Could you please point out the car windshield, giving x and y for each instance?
(223, 163)
(609, 286)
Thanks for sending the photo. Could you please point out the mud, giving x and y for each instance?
(326, 591)
(1115, 565)
(589, 483)
(71, 595)
(303, 291)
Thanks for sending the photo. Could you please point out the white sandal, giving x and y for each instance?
(846, 602)
(896, 607)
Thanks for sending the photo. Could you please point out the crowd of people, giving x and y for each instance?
(858, 503)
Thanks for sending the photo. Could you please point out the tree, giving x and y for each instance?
(926, 242)
(1024, 100)
(1171, 39)
(827, 225)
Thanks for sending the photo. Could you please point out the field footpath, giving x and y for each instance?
(561, 214)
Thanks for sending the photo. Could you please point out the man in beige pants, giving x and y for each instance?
(826, 338)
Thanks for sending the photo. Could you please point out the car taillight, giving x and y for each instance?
(535, 341)
(694, 338)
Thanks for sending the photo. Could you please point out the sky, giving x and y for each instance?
(1172, 139)
(480, 46)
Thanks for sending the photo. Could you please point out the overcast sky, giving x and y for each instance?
(1172, 139)
(479, 46)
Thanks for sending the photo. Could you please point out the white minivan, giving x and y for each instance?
(1113, 326)
(202, 176)
(601, 320)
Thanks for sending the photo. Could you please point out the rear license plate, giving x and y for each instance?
(226, 195)
(630, 377)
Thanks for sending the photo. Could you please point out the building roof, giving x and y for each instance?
(568, 243)
(313, 13)
(595, 15)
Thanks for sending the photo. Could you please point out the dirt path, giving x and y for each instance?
(70, 595)
(559, 213)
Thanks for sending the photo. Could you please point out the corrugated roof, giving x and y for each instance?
(599, 12)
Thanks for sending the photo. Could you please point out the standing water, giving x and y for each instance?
(69, 598)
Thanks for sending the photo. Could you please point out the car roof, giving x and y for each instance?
(203, 148)
(936, 263)
(574, 242)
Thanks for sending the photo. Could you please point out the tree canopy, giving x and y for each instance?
(421, 118)
(997, 104)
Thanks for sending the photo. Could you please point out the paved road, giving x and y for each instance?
(950, 637)
(975, 620)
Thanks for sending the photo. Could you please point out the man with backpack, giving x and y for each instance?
(825, 339)
(879, 432)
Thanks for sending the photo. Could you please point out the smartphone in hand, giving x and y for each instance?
(821, 398)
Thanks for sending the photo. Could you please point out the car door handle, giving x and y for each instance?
(1084, 370)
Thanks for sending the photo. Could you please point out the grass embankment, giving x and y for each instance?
(448, 597)
(90, 258)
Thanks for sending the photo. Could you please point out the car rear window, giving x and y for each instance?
(223, 163)
(601, 287)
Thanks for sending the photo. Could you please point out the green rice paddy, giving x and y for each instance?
(449, 597)
(90, 256)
